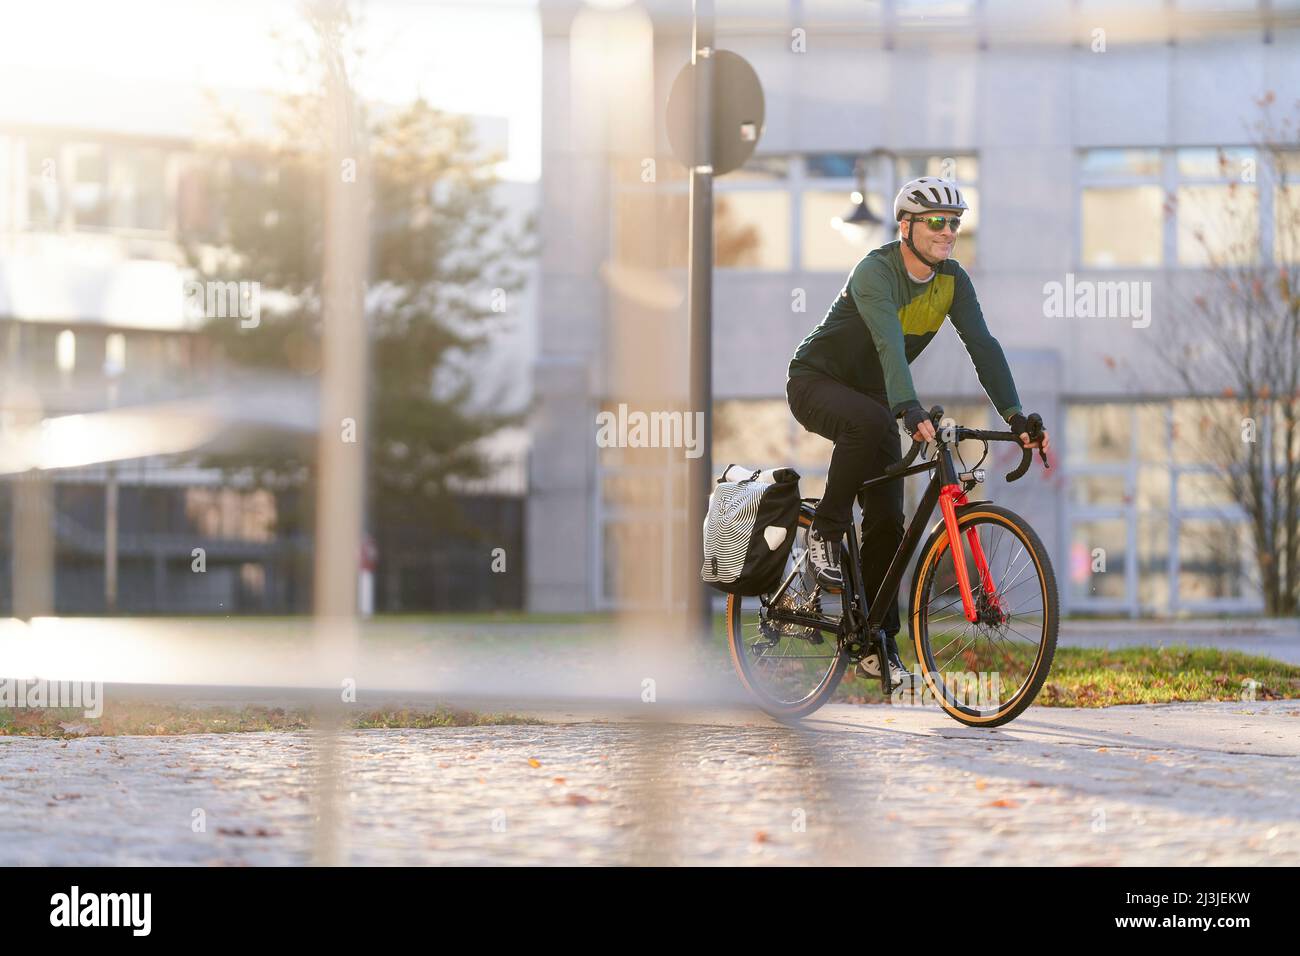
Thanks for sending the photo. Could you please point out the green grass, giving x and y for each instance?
(165, 720)
(1096, 677)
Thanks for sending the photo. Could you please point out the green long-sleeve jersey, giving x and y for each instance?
(883, 319)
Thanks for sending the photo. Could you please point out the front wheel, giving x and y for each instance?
(985, 673)
(790, 670)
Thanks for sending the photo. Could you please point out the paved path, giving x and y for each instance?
(1272, 637)
(1170, 785)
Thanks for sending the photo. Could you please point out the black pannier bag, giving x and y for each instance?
(749, 529)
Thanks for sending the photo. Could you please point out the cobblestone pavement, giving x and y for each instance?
(849, 788)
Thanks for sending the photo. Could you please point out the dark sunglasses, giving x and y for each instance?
(936, 223)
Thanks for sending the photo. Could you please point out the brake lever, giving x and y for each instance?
(1035, 432)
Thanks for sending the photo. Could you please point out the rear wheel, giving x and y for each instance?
(791, 670)
(985, 673)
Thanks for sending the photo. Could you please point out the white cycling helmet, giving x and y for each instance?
(926, 194)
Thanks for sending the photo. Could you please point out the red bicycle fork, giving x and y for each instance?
(950, 497)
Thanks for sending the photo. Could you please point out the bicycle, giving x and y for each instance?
(786, 640)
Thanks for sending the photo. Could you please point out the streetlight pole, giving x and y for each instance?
(699, 605)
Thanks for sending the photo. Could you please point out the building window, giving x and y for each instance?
(1217, 207)
(751, 229)
(1122, 226)
(44, 206)
(1144, 208)
(89, 187)
(827, 243)
(1122, 208)
(1152, 526)
(827, 193)
(93, 186)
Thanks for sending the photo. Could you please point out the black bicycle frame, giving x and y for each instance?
(944, 474)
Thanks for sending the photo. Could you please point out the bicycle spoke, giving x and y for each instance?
(787, 661)
(1009, 649)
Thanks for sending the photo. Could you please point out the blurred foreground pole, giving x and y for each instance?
(699, 604)
(33, 549)
(340, 501)
(32, 518)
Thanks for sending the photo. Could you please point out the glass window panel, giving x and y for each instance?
(632, 561)
(1153, 427)
(1204, 489)
(1153, 488)
(1214, 163)
(1100, 544)
(90, 206)
(751, 432)
(1212, 562)
(651, 228)
(1098, 490)
(1153, 562)
(810, 449)
(1287, 160)
(761, 169)
(752, 230)
(964, 168)
(832, 165)
(1098, 433)
(1122, 226)
(1218, 224)
(827, 243)
(1120, 163)
(1286, 224)
(137, 189)
(1205, 431)
(43, 195)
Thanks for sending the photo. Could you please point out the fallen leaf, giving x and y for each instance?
(980, 784)
(533, 762)
(761, 836)
(557, 780)
(577, 800)
(1004, 802)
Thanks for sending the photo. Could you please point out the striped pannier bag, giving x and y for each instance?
(749, 529)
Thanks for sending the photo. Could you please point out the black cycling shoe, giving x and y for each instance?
(824, 556)
(869, 666)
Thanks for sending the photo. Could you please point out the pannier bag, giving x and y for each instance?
(749, 529)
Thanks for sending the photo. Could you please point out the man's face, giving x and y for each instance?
(936, 246)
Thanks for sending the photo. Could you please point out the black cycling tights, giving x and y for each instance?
(866, 441)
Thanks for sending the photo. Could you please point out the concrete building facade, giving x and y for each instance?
(1100, 145)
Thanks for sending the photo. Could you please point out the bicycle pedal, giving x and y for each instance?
(869, 666)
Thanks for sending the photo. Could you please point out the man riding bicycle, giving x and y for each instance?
(849, 381)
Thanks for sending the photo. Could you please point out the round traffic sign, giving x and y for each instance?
(737, 113)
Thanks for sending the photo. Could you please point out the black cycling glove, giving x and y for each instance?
(1019, 425)
(913, 417)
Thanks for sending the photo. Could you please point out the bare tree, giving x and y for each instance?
(1235, 347)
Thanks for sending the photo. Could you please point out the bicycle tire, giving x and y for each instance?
(740, 659)
(928, 568)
